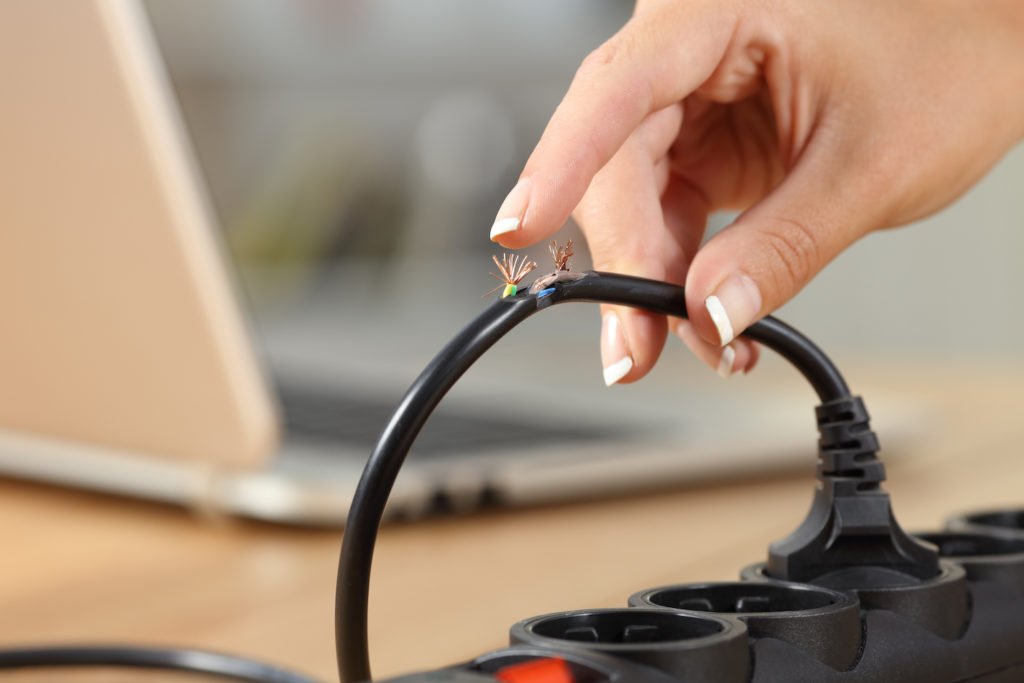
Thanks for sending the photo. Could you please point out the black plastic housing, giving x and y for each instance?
(692, 647)
(965, 625)
(1002, 523)
(984, 557)
(586, 667)
(822, 622)
(850, 538)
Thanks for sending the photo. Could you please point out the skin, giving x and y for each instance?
(821, 121)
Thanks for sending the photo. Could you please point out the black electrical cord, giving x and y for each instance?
(379, 476)
(169, 659)
(367, 509)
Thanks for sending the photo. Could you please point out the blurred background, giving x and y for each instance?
(355, 154)
(357, 151)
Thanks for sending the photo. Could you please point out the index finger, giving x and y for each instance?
(659, 57)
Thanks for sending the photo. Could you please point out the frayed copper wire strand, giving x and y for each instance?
(513, 269)
(562, 272)
(561, 255)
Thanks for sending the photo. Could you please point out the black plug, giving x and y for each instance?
(850, 539)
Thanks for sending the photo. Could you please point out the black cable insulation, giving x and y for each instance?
(169, 659)
(374, 489)
(371, 496)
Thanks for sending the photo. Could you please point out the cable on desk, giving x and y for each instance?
(190, 661)
(367, 509)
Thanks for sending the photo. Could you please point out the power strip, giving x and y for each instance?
(966, 624)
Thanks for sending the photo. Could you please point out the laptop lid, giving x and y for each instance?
(118, 321)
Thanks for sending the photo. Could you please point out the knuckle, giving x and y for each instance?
(794, 246)
(609, 53)
(622, 47)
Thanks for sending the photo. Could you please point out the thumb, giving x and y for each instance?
(769, 254)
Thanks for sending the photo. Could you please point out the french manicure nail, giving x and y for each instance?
(723, 360)
(510, 215)
(734, 306)
(726, 362)
(614, 351)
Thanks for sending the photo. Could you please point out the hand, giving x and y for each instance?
(823, 120)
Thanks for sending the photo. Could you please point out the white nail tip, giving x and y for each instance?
(616, 371)
(503, 225)
(726, 362)
(720, 318)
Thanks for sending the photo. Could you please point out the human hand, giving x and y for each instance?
(823, 120)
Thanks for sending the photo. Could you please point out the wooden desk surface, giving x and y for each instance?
(79, 567)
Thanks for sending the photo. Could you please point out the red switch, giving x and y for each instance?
(537, 671)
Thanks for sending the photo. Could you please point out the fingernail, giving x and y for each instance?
(510, 215)
(614, 352)
(726, 362)
(734, 306)
(722, 360)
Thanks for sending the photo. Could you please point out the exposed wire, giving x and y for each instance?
(561, 255)
(562, 272)
(513, 268)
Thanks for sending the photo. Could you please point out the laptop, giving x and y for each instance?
(131, 366)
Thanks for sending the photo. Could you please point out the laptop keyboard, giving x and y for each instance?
(328, 417)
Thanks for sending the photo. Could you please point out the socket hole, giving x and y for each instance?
(954, 544)
(742, 598)
(627, 626)
(1008, 519)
